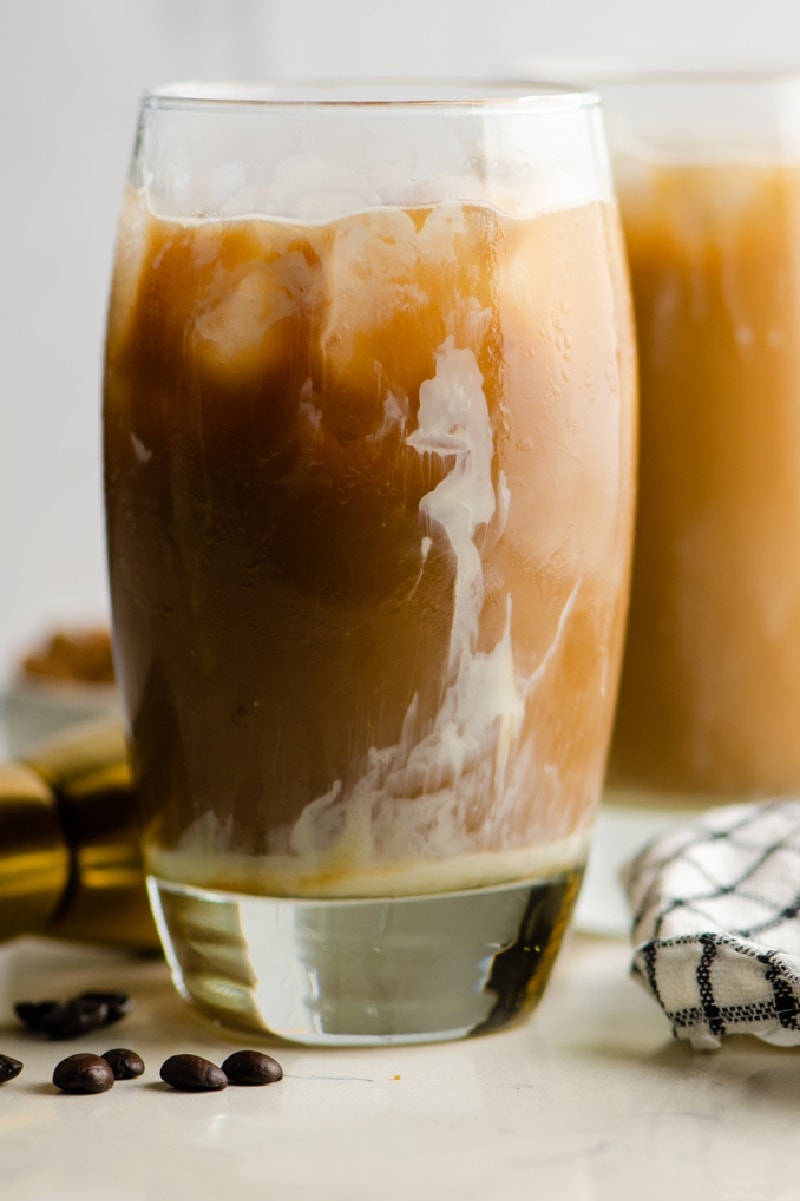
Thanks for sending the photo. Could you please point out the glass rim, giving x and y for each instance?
(599, 75)
(360, 94)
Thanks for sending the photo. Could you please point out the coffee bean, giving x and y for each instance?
(124, 1063)
(83, 1073)
(76, 1015)
(118, 1004)
(70, 1019)
(9, 1068)
(192, 1074)
(31, 1013)
(252, 1067)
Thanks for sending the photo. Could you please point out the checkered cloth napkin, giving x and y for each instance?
(716, 923)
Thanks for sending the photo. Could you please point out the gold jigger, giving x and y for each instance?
(69, 853)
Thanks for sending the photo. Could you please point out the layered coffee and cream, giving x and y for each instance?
(369, 493)
(710, 692)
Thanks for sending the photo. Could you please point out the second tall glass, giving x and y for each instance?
(708, 172)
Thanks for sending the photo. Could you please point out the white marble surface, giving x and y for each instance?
(590, 1100)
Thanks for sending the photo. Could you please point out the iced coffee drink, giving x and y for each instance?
(710, 695)
(368, 485)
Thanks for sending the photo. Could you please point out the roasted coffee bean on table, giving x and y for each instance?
(252, 1067)
(74, 1016)
(192, 1074)
(9, 1068)
(83, 1073)
(124, 1063)
(118, 1004)
(32, 1013)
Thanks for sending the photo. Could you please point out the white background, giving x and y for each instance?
(70, 74)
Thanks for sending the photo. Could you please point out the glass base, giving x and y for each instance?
(365, 972)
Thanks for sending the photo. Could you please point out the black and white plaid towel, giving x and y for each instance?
(716, 923)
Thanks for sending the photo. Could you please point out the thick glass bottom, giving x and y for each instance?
(365, 972)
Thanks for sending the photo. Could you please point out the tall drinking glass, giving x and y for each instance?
(368, 468)
(708, 173)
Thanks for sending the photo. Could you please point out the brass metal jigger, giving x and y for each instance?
(70, 865)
